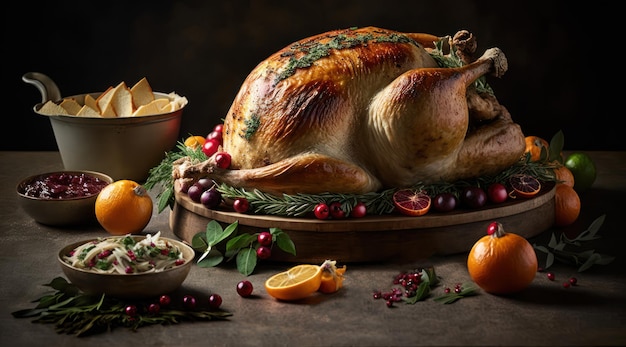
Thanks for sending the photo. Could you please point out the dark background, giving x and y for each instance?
(564, 66)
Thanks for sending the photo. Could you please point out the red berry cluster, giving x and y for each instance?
(405, 284)
(335, 211)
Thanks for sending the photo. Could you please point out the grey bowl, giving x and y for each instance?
(60, 212)
(121, 147)
(139, 285)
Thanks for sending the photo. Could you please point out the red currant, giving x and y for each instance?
(244, 288)
(321, 211)
(215, 301)
(241, 205)
(263, 252)
(359, 210)
(264, 238)
(222, 160)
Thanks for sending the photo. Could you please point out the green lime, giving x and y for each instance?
(583, 169)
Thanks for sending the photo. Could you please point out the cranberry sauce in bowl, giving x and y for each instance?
(62, 198)
(64, 185)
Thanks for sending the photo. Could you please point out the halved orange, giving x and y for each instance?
(296, 283)
(525, 186)
(411, 202)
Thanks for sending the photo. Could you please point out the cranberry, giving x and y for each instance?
(359, 210)
(215, 301)
(222, 160)
(551, 276)
(131, 310)
(241, 205)
(219, 128)
(264, 238)
(497, 193)
(336, 211)
(154, 308)
(215, 135)
(165, 300)
(573, 281)
(263, 252)
(189, 301)
(210, 147)
(321, 211)
(244, 288)
(566, 284)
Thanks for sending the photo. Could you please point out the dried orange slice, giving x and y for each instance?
(525, 186)
(411, 202)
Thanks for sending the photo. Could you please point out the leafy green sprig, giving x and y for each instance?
(556, 249)
(73, 312)
(242, 247)
(160, 176)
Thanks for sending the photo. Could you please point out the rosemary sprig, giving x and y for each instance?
(73, 312)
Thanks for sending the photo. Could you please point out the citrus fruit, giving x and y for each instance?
(535, 145)
(567, 205)
(194, 141)
(411, 202)
(583, 169)
(123, 207)
(501, 262)
(299, 281)
(563, 175)
(524, 186)
(296, 283)
(332, 282)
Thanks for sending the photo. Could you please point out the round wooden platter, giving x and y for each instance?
(375, 238)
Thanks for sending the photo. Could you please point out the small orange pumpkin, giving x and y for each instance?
(502, 263)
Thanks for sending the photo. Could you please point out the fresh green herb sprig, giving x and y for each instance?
(242, 246)
(467, 289)
(160, 176)
(556, 249)
(75, 313)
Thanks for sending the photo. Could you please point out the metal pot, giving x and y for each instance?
(121, 147)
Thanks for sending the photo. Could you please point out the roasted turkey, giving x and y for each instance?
(360, 110)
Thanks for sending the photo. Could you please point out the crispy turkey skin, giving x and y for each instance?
(360, 110)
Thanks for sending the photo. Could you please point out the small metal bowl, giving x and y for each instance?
(135, 286)
(60, 211)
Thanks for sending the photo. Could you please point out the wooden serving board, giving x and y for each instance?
(375, 238)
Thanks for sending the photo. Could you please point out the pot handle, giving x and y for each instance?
(46, 86)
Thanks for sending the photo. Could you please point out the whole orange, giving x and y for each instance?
(123, 207)
(501, 262)
(567, 205)
(563, 175)
(535, 145)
